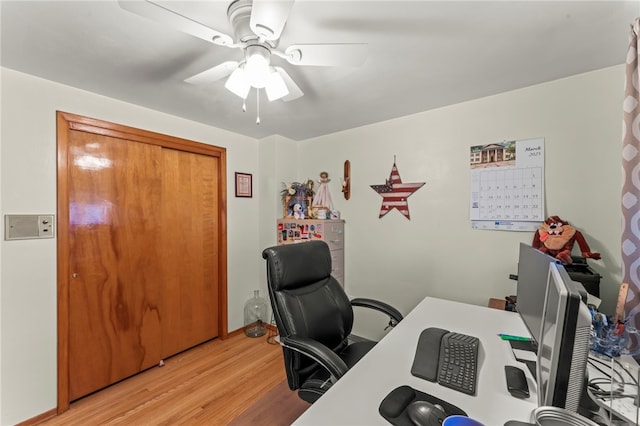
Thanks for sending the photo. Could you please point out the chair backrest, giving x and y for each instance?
(306, 301)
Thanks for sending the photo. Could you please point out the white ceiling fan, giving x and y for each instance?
(257, 26)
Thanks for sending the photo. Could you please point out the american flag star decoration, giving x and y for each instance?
(395, 193)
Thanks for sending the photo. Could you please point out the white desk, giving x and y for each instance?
(355, 398)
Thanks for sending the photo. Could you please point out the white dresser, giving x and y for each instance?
(292, 231)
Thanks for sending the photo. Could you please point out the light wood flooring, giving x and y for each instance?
(212, 384)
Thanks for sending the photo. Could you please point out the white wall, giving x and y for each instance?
(28, 268)
(437, 253)
(277, 158)
(278, 162)
(401, 261)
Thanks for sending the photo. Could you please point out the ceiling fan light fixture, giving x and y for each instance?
(238, 84)
(275, 86)
(257, 65)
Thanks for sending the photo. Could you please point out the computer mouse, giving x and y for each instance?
(423, 413)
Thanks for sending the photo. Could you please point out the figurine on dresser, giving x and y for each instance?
(323, 196)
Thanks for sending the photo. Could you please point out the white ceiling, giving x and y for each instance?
(422, 55)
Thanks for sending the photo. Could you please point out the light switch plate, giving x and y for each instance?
(28, 226)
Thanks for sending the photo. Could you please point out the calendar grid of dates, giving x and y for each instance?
(510, 194)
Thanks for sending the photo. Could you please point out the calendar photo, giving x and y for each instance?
(507, 185)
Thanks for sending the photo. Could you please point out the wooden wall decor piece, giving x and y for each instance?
(395, 193)
(346, 181)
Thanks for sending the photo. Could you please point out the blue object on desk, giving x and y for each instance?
(460, 421)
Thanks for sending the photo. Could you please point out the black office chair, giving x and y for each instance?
(314, 317)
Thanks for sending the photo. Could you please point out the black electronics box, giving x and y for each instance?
(581, 272)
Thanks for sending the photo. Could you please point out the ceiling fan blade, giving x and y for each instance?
(338, 54)
(294, 90)
(213, 74)
(268, 17)
(156, 12)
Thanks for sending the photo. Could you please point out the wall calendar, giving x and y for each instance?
(507, 185)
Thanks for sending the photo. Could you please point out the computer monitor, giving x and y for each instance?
(533, 273)
(563, 348)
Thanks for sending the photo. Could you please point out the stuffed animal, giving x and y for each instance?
(298, 213)
(556, 238)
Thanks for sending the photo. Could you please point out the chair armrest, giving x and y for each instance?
(318, 352)
(394, 315)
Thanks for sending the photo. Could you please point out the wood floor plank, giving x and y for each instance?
(277, 400)
(215, 383)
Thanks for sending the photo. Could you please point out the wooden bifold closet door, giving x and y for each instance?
(190, 202)
(141, 250)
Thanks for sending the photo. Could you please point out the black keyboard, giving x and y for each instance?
(458, 362)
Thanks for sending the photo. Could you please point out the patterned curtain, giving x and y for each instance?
(631, 177)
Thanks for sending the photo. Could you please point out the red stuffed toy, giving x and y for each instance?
(556, 238)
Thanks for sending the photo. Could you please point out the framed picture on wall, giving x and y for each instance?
(244, 185)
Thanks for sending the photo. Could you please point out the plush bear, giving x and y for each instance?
(556, 238)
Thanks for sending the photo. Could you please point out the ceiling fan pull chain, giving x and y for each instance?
(258, 106)
(244, 105)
